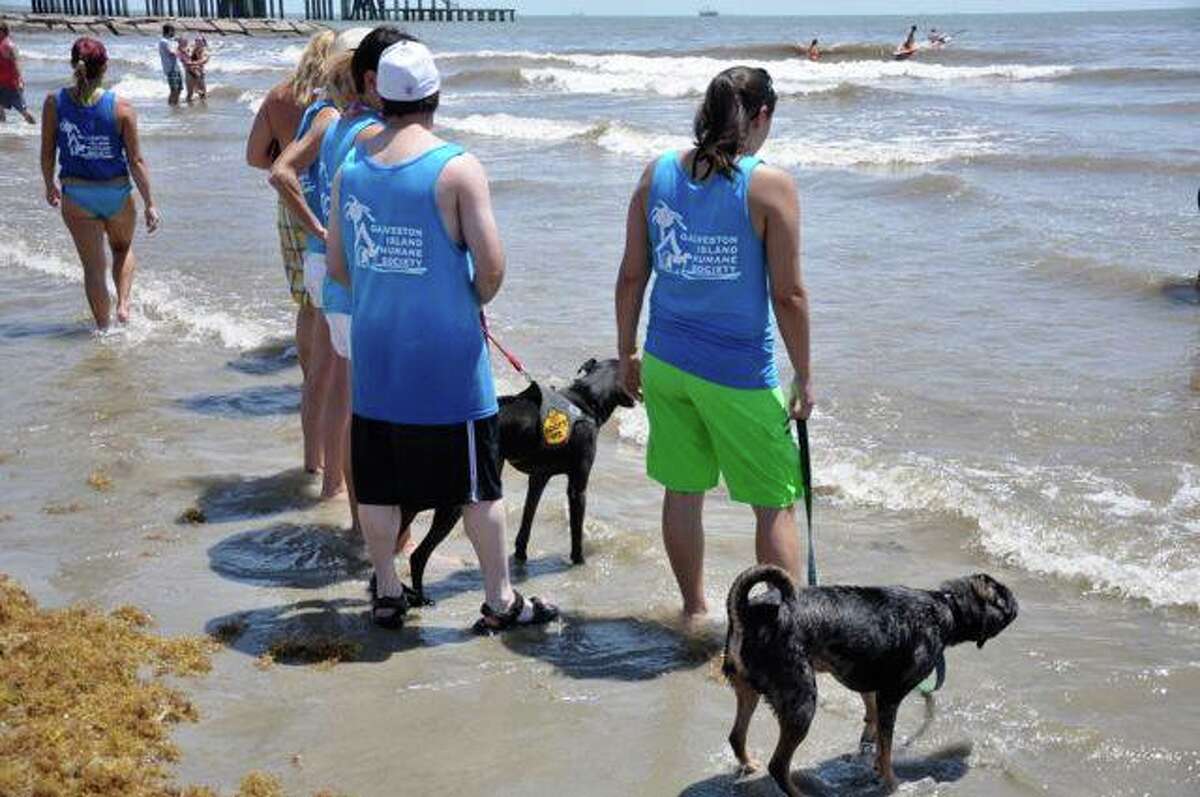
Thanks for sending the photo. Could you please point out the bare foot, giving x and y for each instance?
(749, 767)
(122, 314)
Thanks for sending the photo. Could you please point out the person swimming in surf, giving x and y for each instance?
(814, 53)
(908, 47)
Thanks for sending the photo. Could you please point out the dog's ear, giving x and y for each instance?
(998, 606)
(587, 367)
(984, 587)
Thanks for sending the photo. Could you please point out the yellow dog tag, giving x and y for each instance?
(556, 428)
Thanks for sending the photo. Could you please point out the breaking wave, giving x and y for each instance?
(688, 75)
(621, 139)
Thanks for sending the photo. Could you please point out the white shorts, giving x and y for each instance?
(314, 276)
(339, 333)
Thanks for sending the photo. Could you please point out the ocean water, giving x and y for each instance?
(999, 239)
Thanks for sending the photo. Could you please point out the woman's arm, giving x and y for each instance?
(137, 164)
(335, 254)
(299, 156)
(773, 197)
(50, 149)
(259, 142)
(632, 280)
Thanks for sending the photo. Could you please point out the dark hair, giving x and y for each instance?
(89, 60)
(168, 29)
(734, 97)
(394, 108)
(3, 28)
(366, 55)
(814, 41)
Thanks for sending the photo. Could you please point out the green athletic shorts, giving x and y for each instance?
(700, 430)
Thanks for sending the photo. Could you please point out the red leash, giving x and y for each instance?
(508, 355)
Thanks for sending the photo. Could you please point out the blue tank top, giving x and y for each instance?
(336, 146)
(309, 182)
(710, 311)
(90, 146)
(420, 356)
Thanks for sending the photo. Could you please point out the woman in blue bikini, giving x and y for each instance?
(94, 137)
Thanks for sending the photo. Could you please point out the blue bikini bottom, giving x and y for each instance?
(102, 201)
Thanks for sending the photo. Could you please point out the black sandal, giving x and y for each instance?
(494, 622)
(395, 609)
(413, 597)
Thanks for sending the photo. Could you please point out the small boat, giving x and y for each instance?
(708, 12)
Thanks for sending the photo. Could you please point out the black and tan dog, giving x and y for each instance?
(879, 641)
(543, 433)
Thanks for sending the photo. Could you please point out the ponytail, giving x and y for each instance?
(722, 124)
(89, 59)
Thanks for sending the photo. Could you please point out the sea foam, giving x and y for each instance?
(162, 302)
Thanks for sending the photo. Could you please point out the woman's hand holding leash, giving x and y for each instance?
(802, 399)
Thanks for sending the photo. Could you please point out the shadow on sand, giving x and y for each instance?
(617, 648)
(253, 402)
(270, 358)
(230, 497)
(844, 775)
(16, 330)
(291, 555)
(289, 632)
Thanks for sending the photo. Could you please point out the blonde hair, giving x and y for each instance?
(338, 79)
(307, 78)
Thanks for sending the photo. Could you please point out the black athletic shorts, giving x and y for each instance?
(423, 467)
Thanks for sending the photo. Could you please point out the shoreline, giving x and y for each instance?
(151, 26)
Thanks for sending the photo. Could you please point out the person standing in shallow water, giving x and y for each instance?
(720, 232)
(168, 55)
(93, 136)
(411, 215)
(12, 86)
(303, 176)
(275, 126)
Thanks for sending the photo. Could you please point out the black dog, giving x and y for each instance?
(589, 402)
(879, 641)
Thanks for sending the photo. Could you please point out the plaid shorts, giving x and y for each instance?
(175, 80)
(291, 245)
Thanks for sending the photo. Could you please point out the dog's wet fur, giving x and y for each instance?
(878, 641)
(597, 395)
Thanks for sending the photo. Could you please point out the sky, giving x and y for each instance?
(822, 7)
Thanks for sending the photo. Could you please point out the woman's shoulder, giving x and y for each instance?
(771, 186)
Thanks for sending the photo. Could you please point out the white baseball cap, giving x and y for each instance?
(348, 40)
(407, 73)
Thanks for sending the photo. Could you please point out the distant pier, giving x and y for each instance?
(446, 11)
(269, 13)
(121, 24)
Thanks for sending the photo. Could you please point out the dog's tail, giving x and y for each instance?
(739, 593)
(738, 603)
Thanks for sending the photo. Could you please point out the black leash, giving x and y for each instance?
(806, 483)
